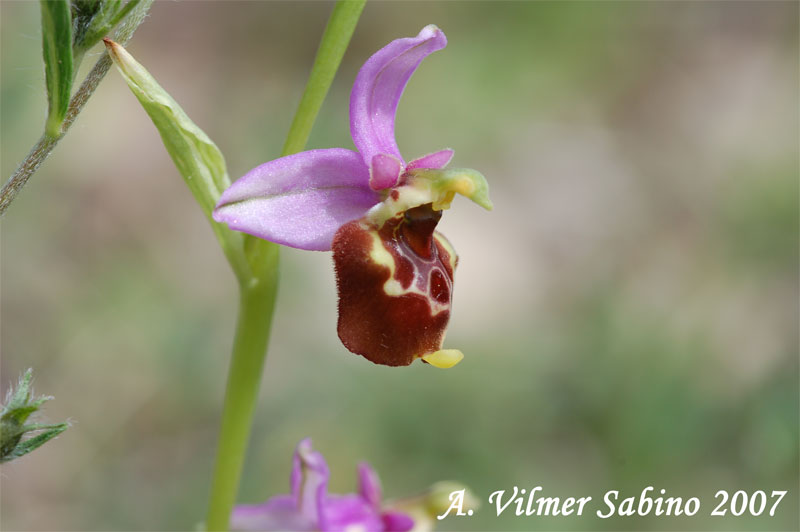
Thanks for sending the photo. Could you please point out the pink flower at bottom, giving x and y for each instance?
(311, 507)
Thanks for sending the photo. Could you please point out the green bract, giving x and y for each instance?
(197, 158)
(18, 408)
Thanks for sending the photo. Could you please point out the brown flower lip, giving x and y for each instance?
(395, 286)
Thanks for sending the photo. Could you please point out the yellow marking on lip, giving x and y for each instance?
(379, 255)
(451, 252)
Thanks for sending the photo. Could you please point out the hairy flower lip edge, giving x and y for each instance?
(392, 309)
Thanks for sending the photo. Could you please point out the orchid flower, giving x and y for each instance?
(310, 507)
(377, 213)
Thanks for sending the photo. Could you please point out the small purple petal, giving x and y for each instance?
(384, 171)
(299, 200)
(397, 522)
(349, 512)
(278, 513)
(309, 481)
(378, 87)
(434, 160)
(309, 507)
(369, 485)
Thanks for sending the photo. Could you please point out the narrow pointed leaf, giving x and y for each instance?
(20, 414)
(197, 158)
(58, 67)
(18, 407)
(31, 444)
(18, 396)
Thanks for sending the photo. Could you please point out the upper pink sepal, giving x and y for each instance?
(378, 87)
(384, 171)
(435, 160)
(299, 200)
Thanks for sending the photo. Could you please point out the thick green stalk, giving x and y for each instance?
(256, 305)
(257, 298)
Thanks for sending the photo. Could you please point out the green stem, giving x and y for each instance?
(331, 50)
(257, 295)
(42, 149)
(256, 305)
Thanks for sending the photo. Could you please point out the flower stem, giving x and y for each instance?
(42, 149)
(257, 294)
(256, 305)
(331, 50)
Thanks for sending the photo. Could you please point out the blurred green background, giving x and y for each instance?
(629, 311)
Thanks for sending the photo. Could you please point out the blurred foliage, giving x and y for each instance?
(758, 220)
(629, 311)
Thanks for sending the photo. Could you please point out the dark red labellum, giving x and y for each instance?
(395, 286)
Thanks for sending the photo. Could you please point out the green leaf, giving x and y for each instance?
(19, 415)
(106, 15)
(197, 158)
(18, 396)
(58, 65)
(26, 446)
(83, 13)
(18, 407)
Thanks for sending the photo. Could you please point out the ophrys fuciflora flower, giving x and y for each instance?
(377, 212)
